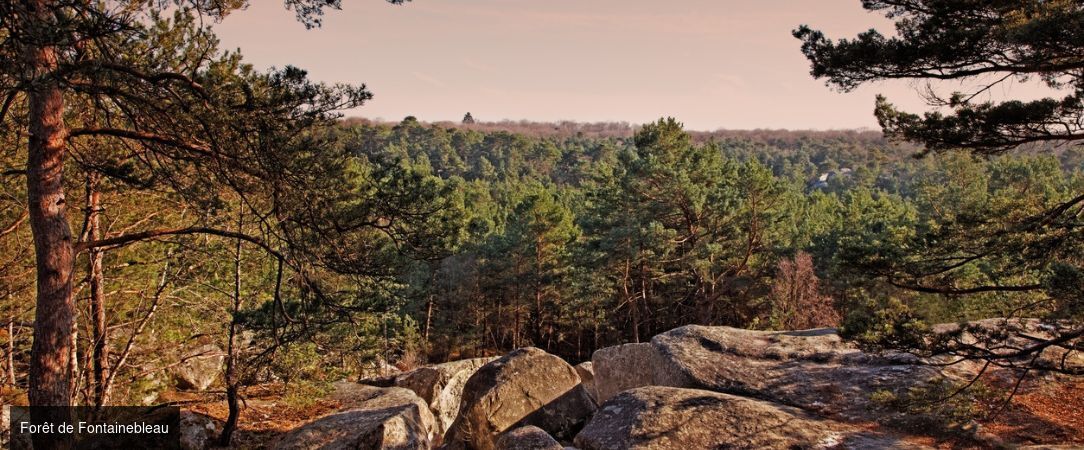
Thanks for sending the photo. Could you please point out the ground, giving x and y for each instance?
(266, 413)
(1044, 411)
(1047, 413)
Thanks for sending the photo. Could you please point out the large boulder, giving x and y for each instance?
(378, 418)
(525, 387)
(527, 438)
(669, 418)
(586, 371)
(659, 418)
(8, 438)
(628, 366)
(441, 387)
(813, 369)
(200, 367)
(5, 425)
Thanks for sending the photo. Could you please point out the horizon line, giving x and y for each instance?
(631, 125)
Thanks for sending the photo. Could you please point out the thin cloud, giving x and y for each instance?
(429, 79)
(475, 65)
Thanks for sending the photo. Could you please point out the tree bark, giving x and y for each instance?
(54, 315)
(633, 316)
(539, 328)
(428, 320)
(96, 278)
(50, 375)
(232, 402)
(11, 347)
(73, 363)
(430, 299)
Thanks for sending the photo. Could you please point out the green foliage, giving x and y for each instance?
(884, 323)
(941, 406)
(943, 40)
(1065, 284)
(296, 362)
(305, 393)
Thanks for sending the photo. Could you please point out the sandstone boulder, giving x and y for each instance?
(674, 418)
(525, 387)
(379, 418)
(200, 368)
(527, 438)
(655, 417)
(441, 387)
(12, 439)
(628, 366)
(813, 369)
(197, 431)
(586, 371)
(378, 368)
(5, 425)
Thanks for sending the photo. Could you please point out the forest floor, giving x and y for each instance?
(1042, 412)
(1045, 414)
(265, 414)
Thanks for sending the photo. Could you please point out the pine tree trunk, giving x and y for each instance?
(73, 363)
(633, 316)
(99, 336)
(50, 355)
(232, 401)
(539, 320)
(11, 347)
(50, 374)
(428, 320)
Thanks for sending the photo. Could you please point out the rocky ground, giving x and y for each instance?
(690, 388)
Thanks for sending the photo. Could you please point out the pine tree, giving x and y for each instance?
(91, 72)
(1031, 248)
(976, 41)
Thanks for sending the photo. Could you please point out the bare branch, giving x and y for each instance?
(15, 226)
(965, 291)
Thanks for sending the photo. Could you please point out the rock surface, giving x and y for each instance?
(197, 431)
(691, 388)
(525, 387)
(5, 425)
(201, 367)
(586, 371)
(658, 418)
(813, 369)
(674, 418)
(441, 387)
(528, 438)
(628, 366)
(380, 418)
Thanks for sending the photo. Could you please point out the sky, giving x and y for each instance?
(709, 63)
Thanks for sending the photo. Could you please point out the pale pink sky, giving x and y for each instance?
(709, 63)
